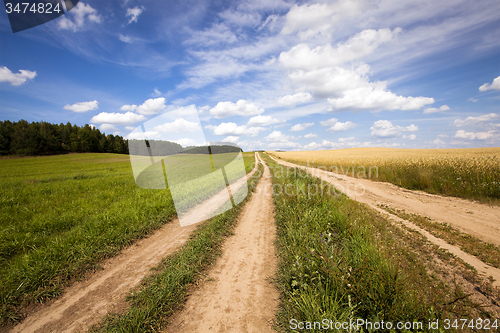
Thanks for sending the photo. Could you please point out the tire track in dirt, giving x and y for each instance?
(85, 302)
(480, 220)
(237, 295)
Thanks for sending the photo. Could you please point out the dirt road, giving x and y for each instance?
(237, 295)
(86, 302)
(480, 220)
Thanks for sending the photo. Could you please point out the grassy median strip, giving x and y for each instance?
(164, 292)
(341, 261)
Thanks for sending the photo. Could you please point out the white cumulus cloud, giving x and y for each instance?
(128, 118)
(235, 130)
(15, 79)
(336, 73)
(301, 127)
(495, 85)
(298, 98)
(336, 126)
(240, 108)
(180, 125)
(82, 106)
(435, 110)
(310, 135)
(476, 120)
(262, 121)
(385, 129)
(79, 13)
(134, 13)
(108, 128)
(461, 134)
(231, 139)
(150, 106)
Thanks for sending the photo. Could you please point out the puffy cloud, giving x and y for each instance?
(495, 85)
(185, 142)
(278, 140)
(310, 135)
(301, 57)
(335, 125)
(298, 98)
(301, 127)
(240, 108)
(128, 107)
(150, 106)
(461, 134)
(78, 13)
(15, 79)
(231, 139)
(128, 118)
(310, 20)
(148, 135)
(235, 130)
(385, 129)
(476, 120)
(313, 145)
(262, 121)
(320, 71)
(180, 125)
(108, 128)
(375, 97)
(439, 142)
(410, 137)
(134, 13)
(82, 106)
(435, 110)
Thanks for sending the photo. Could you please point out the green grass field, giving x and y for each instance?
(61, 215)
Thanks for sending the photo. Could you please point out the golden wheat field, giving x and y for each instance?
(470, 173)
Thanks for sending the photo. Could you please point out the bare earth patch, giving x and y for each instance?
(237, 295)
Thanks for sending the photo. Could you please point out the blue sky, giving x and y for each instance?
(291, 75)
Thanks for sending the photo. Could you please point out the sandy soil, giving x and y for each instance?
(237, 295)
(480, 220)
(86, 302)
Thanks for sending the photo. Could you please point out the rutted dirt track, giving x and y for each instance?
(480, 220)
(237, 295)
(86, 302)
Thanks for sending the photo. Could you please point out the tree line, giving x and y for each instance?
(38, 138)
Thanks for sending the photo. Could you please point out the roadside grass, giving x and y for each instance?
(165, 291)
(486, 252)
(61, 215)
(466, 173)
(341, 260)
